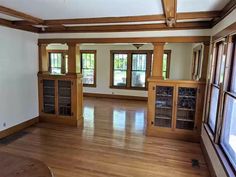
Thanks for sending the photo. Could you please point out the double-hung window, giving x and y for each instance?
(88, 67)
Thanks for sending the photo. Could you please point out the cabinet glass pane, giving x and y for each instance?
(49, 96)
(228, 138)
(186, 108)
(164, 104)
(64, 98)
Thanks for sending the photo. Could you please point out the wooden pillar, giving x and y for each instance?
(205, 62)
(158, 52)
(43, 59)
(73, 58)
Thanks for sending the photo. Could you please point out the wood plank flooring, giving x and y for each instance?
(112, 143)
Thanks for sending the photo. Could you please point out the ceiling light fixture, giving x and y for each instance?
(138, 46)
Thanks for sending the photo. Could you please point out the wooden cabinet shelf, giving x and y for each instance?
(55, 98)
(174, 109)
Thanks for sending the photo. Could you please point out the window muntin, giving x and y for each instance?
(138, 76)
(55, 60)
(228, 137)
(88, 67)
(120, 69)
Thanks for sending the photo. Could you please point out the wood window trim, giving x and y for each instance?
(129, 68)
(63, 52)
(224, 90)
(95, 66)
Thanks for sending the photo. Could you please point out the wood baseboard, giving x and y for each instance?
(207, 159)
(123, 97)
(18, 127)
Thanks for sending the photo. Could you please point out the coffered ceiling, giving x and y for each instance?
(112, 15)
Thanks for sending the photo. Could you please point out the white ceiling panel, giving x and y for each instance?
(64, 9)
(200, 5)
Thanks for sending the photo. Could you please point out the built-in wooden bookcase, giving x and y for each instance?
(60, 98)
(175, 109)
(61, 95)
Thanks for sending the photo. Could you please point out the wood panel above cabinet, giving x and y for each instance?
(175, 109)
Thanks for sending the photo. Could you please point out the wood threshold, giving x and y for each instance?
(19, 127)
(123, 97)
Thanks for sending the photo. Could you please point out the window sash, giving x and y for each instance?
(88, 63)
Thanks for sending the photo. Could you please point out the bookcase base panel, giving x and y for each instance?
(171, 134)
(57, 120)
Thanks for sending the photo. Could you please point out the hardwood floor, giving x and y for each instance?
(111, 144)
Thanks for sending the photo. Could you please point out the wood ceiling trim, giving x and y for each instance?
(198, 15)
(170, 8)
(21, 15)
(126, 28)
(9, 24)
(177, 39)
(125, 19)
(224, 12)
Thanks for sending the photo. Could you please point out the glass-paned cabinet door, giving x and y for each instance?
(49, 96)
(64, 97)
(186, 109)
(164, 106)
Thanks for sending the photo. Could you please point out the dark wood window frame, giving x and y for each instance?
(224, 88)
(197, 61)
(95, 66)
(129, 67)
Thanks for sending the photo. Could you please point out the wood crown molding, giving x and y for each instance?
(21, 15)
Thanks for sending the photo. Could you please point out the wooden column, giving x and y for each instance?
(205, 62)
(158, 52)
(73, 58)
(43, 59)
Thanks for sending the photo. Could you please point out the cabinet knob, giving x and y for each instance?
(152, 122)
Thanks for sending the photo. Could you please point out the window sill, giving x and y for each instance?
(220, 153)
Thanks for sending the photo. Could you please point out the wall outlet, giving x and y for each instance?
(4, 124)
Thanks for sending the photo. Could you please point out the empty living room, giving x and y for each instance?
(118, 88)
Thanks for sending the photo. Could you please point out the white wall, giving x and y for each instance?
(18, 76)
(181, 56)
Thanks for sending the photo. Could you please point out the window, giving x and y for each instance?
(88, 69)
(197, 62)
(222, 103)
(166, 64)
(139, 70)
(228, 137)
(55, 63)
(217, 76)
(58, 62)
(120, 70)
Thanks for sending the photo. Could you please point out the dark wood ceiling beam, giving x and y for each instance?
(21, 15)
(170, 8)
(9, 24)
(126, 28)
(229, 7)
